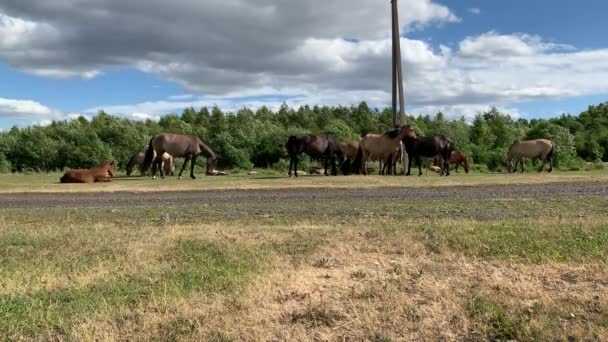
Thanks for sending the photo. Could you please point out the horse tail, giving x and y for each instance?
(465, 163)
(130, 164)
(291, 144)
(149, 157)
(551, 151)
(358, 161)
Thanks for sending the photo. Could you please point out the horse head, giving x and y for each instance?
(110, 168)
(211, 164)
(408, 131)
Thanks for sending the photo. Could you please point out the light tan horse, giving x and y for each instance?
(380, 146)
(167, 163)
(537, 148)
(188, 147)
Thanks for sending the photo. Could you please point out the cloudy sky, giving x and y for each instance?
(142, 58)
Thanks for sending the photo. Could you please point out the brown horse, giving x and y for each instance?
(379, 147)
(179, 146)
(457, 158)
(429, 147)
(167, 164)
(101, 173)
(537, 148)
(316, 146)
(389, 166)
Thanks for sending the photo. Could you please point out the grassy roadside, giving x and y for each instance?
(271, 180)
(475, 270)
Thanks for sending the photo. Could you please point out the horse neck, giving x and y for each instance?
(205, 150)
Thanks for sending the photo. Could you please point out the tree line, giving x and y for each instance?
(248, 138)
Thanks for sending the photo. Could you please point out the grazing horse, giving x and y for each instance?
(101, 173)
(349, 151)
(167, 164)
(537, 148)
(389, 167)
(317, 147)
(179, 146)
(429, 147)
(378, 147)
(457, 158)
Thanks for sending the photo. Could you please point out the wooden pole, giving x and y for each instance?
(397, 68)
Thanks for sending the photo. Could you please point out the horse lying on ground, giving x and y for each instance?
(378, 147)
(317, 147)
(429, 147)
(101, 173)
(537, 148)
(179, 146)
(167, 163)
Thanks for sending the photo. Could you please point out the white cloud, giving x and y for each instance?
(258, 52)
(474, 10)
(11, 108)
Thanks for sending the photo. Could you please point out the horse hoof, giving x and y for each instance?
(162, 177)
(192, 177)
(180, 177)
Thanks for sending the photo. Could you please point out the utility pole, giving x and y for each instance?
(397, 70)
(398, 78)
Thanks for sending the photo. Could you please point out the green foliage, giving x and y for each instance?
(245, 139)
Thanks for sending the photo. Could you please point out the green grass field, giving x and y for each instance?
(525, 270)
(49, 182)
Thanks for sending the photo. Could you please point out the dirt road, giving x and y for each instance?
(210, 197)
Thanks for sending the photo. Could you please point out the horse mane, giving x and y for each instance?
(207, 151)
(393, 133)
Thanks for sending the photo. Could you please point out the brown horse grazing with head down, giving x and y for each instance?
(167, 163)
(179, 146)
(101, 173)
(349, 151)
(537, 148)
(457, 158)
(378, 147)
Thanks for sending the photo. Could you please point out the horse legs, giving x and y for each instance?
(410, 159)
(521, 162)
(419, 163)
(179, 176)
(192, 165)
(550, 164)
(446, 165)
(325, 167)
(334, 169)
(290, 165)
(295, 166)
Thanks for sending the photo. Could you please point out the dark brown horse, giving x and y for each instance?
(101, 173)
(429, 147)
(317, 147)
(179, 146)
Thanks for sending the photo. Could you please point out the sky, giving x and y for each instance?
(142, 59)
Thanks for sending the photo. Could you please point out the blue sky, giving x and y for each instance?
(460, 57)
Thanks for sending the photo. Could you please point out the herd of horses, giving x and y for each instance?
(389, 149)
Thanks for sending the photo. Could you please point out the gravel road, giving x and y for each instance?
(210, 197)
